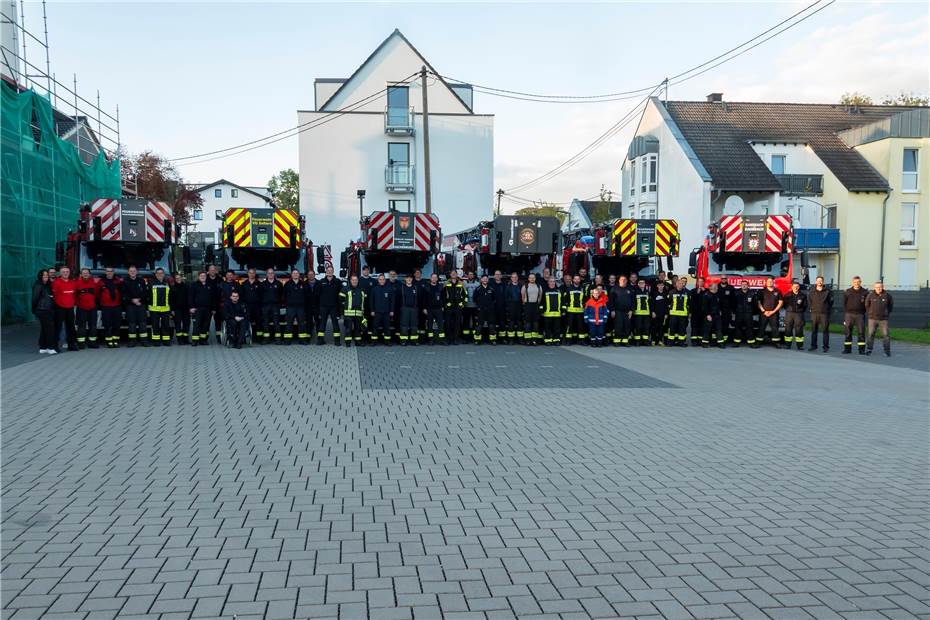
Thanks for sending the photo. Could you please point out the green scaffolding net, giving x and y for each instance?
(43, 182)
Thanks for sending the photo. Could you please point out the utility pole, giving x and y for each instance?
(428, 198)
(500, 194)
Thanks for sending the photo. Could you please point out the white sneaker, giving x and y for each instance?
(51, 351)
(41, 351)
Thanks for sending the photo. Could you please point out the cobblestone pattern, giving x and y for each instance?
(154, 484)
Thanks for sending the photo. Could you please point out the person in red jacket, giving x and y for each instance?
(595, 315)
(87, 300)
(111, 308)
(64, 294)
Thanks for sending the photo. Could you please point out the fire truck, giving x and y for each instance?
(511, 243)
(116, 233)
(623, 247)
(748, 247)
(402, 241)
(261, 239)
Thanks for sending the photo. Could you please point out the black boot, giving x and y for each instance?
(847, 349)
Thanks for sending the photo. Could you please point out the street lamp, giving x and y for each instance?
(361, 204)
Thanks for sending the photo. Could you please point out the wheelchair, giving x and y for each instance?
(246, 339)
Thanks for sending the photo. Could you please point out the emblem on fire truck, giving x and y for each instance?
(527, 236)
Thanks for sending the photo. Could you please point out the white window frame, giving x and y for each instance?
(218, 193)
(653, 168)
(643, 182)
(784, 163)
(234, 193)
(910, 174)
(912, 228)
(632, 177)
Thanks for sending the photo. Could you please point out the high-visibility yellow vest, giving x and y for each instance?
(642, 304)
(160, 294)
(552, 303)
(575, 301)
(679, 303)
(353, 298)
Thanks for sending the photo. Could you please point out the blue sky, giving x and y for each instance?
(192, 77)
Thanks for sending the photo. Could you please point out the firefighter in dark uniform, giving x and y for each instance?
(659, 312)
(229, 285)
(271, 292)
(878, 307)
(433, 310)
(552, 313)
(214, 281)
(678, 315)
(235, 314)
(854, 315)
(353, 311)
(531, 295)
(713, 317)
(134, 296)
(454, 298)
(181, 308)
(744, 306)
(820, 304)
(725, 293)
(486, 318)
(469, 311)
(642, 315)
(201, 299)
(295, 309)
(697, 315)
(573, 301)
(409, 312)
(497, 284)
(620, 302)
(770, 302)
(420, 284)
(111, 308)
(795, 306)
(312, 308)
(330, 308)
(366, 283)
(249, 296)
(382, 310)
(512, 293)
(159, 301)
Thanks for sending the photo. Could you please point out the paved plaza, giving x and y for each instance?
(464, 483)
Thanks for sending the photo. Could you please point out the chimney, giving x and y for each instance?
(715, 98)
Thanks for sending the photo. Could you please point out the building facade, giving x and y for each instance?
(581, 212)
(696, 161)
(219, 196)
(366, 133)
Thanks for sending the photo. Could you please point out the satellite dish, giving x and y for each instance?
(733, 205)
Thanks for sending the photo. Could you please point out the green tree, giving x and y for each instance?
(906, 99)
(285, 189)
(149, 175)
(601, 213)
(855, 98)
(543, 208)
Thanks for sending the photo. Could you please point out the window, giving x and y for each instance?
(399, 205)
(908, 225)
(217, 193)
(652, 179)
(778, 164)
(398, 163)
(398, 100)
(909, 177)
(234, 193)
(830, 217)
(643, 181)
(198, 215)
(632, 177)
(649, 213)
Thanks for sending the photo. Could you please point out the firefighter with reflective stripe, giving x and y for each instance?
(235, 315)
(820, 303)
(770, 303)
(659, 314)
(134, 296)
(111, 308)
(353, 311)
(552, 314)
(854, 315)
(420, 284)
(250, 297)
(642, 314)
(271, 291)
(697, 316)
(725, 293)
(85, 302)
(295, 309)
(366, 283)
(878, 306)
(201, 309)
(573, 301)
(330, 308)
(454, 298)
(215, 282)
(531, 295)
(227, 287)
(795, 306)
(159, 299)
(498, 285)
(512, 294)
(409, 312)
(595, 315)
(679, 314)
(620, 302)
(382, 310)
(433, 310)
(181, 307)
(711, 307)
(744, 306)
(470, 310)
(312, 308)
(486, 317)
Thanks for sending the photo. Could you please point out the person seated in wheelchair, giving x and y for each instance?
(237, 323)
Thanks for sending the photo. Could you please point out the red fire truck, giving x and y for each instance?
(623, 247)
(748, 247)
(116, 233)
(402, 241)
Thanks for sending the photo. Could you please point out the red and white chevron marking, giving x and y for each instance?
(108, 210)
(156, 213)
(731, 226)
(424, 224)
(381, 229)
(776, 227)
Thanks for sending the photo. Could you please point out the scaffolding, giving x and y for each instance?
(58, 149)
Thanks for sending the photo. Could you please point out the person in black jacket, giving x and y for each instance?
(713, 317)
(270, 294)
(620, 303)
(330, 307)
(454, 298)
(295, 304)
(235, 314)
(44, 310)
(353, 311)
(420, 284)
(878, 307)
(854, 315)
(250, 297)
(511, 292)
(486, 312)
(134, 294)
(409, 312)
(215, 282)
(744, 306)
(795, 306)
(201, 300)
(725, 293)
(497, 284)
(313, 303)
(770, 303)
(697, 313)
(366, 283)
(433, 310)
(181, 307)
(382, 310)
(820, 304)
(660, 299)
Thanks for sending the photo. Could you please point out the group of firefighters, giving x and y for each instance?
(366, 309)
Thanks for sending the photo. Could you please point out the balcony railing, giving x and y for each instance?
(399, 178)
(398, 121)
(817, 239)
(801, 184)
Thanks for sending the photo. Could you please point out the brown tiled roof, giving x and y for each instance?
(720, 134)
